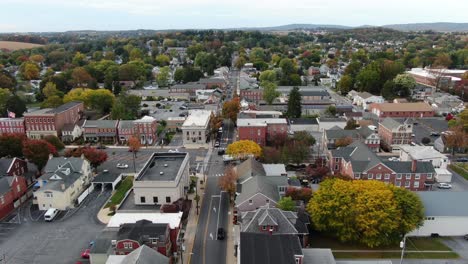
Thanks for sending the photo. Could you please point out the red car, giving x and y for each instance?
(85, 253)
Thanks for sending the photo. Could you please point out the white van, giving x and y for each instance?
(50, 214)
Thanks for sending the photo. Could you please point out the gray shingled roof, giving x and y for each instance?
(267, 249)
(101, 123)
(5, 165)
(64, 107)
(266, 185)
(303, 121)
(341, 133)
(318, 256)
(365, 131)
(60, 170)
(125, 124)
(249, 168)
(145, 255)
(142, 230)
(5, 184)
(405, 166)
(390, 123)
(444, 203)
(266, 216)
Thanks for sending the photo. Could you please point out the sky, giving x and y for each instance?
(64, 15)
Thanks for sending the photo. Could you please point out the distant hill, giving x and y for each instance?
(293, 27)
(438, 26)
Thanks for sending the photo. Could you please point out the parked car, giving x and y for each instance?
(465, 237)
(462, 160)
(435, 134)
(221, 233)
(216, 144)
(122, 166)
(221, 152)
(444, 185)
(85, 253)
(50, 214)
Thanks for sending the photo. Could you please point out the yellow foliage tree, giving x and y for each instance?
(244, 148)
(101, 99)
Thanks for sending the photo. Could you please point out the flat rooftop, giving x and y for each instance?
(162, 167)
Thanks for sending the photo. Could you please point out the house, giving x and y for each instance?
(414, 110)
(141, 255)
(104, 131)
(212, 83)
(445, 214)
(359, 162)
(259, 114)
(175, 123)
(124, 131)
(72, 131)
(163, 179)
(336, 133)
(12, 125)
(259, 185)
(428, 153)
(257, 248)
(369, 137)
(274, 221)
(13, 191)
(64, 179)
(13, 167)
(303, 124)
(393, 133)
(261, 130)
(146, 129)
(364, 99)
(195, 129)
(47, 121)
(188, 88)
(327, 123)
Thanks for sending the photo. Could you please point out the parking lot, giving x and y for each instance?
(29, 239)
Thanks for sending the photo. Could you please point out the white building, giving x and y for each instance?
(163, 180)
(445, 214)
(195, 129)
(365, 98)
(428, 153)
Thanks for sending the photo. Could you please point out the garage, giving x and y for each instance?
(106, 180)
(446, 214)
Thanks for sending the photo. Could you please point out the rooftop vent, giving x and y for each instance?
(161, 173)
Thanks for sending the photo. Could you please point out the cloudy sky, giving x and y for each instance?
(62, 15)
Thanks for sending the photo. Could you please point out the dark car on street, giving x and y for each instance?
(462, 160)
(221, 233)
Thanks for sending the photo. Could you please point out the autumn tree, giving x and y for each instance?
(134, 146)
(369, 212)
(80, 77)
(162, 60)
(343, 142)
(271, 155)
(11, 145)
(351, 124)
(244, 148)
(228, 181)
(296, 151)
(55, 141)
(286, 204)
(456, 139)
(303, 194)
(304, 137)
(94, 156)
(215, 123)
(231, 109)
(345, 84)
(29, 70)
(37, 151)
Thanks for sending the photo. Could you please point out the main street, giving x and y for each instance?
(215, 207)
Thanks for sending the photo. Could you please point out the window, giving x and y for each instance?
(282, 189)
(407, 184)
(153, 240)
(267, 201)
(357, 176)
(429, 176)
(408, 176)
(387, 176)
(259, 132)
(18, 188)
(128, 245)
(264, 228)
(199, 133)
(49, 195)
(168, 199)
(398, 176)
(143, 199)
(370, 176)
(155, 199)
(417, 176)
(378, 176)
(416, 184)
(250, 202)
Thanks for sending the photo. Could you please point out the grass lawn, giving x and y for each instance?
(422, 244)
(120, 192)
(460, 168)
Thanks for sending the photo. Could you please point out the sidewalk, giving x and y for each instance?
(230, 258)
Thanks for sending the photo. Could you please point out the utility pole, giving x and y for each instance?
(402, 246)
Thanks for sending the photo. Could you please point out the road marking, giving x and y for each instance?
(206, 231)
(211, 236)
(219, 212)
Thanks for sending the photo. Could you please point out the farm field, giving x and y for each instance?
(13, 45)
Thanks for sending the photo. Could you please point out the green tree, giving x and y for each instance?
(404, 84)
(287, 66)
(52, 102)
(268, 76)
(304, 137)
(369, 212)
(5, 94)
(136, 54)
(331, 110)
(269, 92)
(162, 60)
(206, 61)
(345, 84)
(16, 105)
(11, 145)
(163, 77)
(79, 59)
(294, 103)
(286, 204)
(193, 50)
(126, 107)
(179, 75)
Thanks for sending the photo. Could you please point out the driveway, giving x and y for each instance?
(60, 241)
(459, 245)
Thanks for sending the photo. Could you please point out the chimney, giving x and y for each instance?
(414, 164)
(63, 186)
(51, 156)
(82, 156)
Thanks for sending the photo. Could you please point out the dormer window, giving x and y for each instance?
(264, 228)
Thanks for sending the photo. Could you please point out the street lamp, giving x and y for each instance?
(402, 246)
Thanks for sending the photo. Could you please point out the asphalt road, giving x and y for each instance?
(31, 240)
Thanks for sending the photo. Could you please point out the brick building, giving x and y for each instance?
(393, 133)
(12, 125)
(189, 88)
(252, 95)
(261, 130)
(13, 184)
(414, 110)
(49, 121)
(104, 131)
(359, 162)
(146, 130)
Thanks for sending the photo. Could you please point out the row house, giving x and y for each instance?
(364, 134)
(261, 130)
(47, 121)
(252, 95)
(104, 131)
(401, 110)
(212, 83)
(13, 184)
(358, 162)
(393, 133)
(364, 99)
(145, 129)
(189, 88)
(12, 125)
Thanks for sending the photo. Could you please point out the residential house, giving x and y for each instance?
(141, 255)
(13, 192)
(274, 221)
(428, 153)
(393, 133)
(64, 179)
(414, 110)
(445, 214)
(261, 130)
(327, 123)
(163, 179)
(251, 94)
(12, 125)
(146, 129)
(370, 138)
(364, 99)
(259, 185)
(211, 96)
(47, 121)
(336, 133)
(124, 131)
(257, 248)
(104, 131)
(303, 124)
(359, 162)
(195, 129)
(13, 167)
(71, 131)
